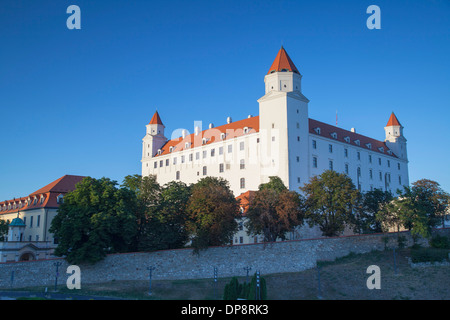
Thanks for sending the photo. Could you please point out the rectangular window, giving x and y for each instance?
(230, 148)
(398, 166)
(177, 176)
(241, 146)
(204, 154)
(175, 160)
(182, 159)
(346, 168)
(161, 163)
(242, 183)
(370, 174)
(330, 148)
(298, 159)
(400, 180)
(381, 176)
(191, 156)
(389, 163)
(358, 155)
(204, 171)
(155, 164)
(220, 150)
(379, 161)
(38, 222)
(314, 162)
(314, 144)
(370, 158)
(330, 164)
(221, 167)
(167, 162)
(197, 155)
(213, 152)
(31, 222)
(242, 164)
(346, 152)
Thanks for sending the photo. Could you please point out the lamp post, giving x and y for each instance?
(247, 269)
(150, 269)
(57, 265)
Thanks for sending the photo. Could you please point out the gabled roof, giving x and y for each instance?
(282, 63)
(156, 119)
(354, 139)
(231, 130)
(393, 121)
(62, 185)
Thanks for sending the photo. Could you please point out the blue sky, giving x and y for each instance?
(77, 101)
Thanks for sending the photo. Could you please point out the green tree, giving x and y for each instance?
(4, 229)
(95, 219)
(430, 191)
(274, 211)
(372, 202)
(147, 193)
(330, 201)
(212, 210)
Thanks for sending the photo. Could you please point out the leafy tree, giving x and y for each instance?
(95, 219)
(274, 211)
(212, 210)
(330, 201)
(431, 192)
(147, 193)
(4, 229)
(372, 202)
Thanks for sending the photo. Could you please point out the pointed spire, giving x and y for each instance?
(156, 119)
(282, 62)
(393, 121)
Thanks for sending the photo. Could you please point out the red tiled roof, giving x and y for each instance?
(393, 121)
(282, 62)
(245, 199)
(327, 130)
(156, 119)
(49, 193)
(62, 185)
(232, 130)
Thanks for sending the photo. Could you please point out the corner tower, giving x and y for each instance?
(394, 137)
(154, 138)
(283, 116)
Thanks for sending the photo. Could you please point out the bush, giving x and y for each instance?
(429, 255)
(234, 290)
(440, 242)
(401, 241)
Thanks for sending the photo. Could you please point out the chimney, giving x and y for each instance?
(197, 130)
(353, 130)
(229, 120)
(211, 125)
(249, 116)
(183, 133)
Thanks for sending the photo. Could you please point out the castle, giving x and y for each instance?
(281, 141)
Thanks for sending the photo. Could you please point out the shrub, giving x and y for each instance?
(401, 241)
(234, 290)
(440, 242)
(428, 255)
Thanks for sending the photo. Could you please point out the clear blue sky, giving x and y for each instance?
(77, 101)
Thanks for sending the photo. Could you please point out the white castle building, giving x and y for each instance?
(281, 141)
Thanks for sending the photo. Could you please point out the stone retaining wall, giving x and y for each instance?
(288, 256)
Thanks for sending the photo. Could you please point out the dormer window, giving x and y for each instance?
(159, 151)
(14, 205)
(347, 139)
(223, 136)
(381, 149)
(204, 140)
(246, 130)
(60, 199)
(357, 142)
(42, 200)
(171, 149)
(334, 135)
(187, 145)
(369, 145)
(34, 201)
(389, 152)
(317, 130)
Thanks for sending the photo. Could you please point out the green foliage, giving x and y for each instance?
(429, 255)
(234, 290)
(3, 229)
(441, 242)
(94, 220)
(401, 241)
(331, 199)
(274, 211)
(212, 210)
(372, 203)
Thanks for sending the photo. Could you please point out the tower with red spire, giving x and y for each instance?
(154, 138)
(395, 140)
